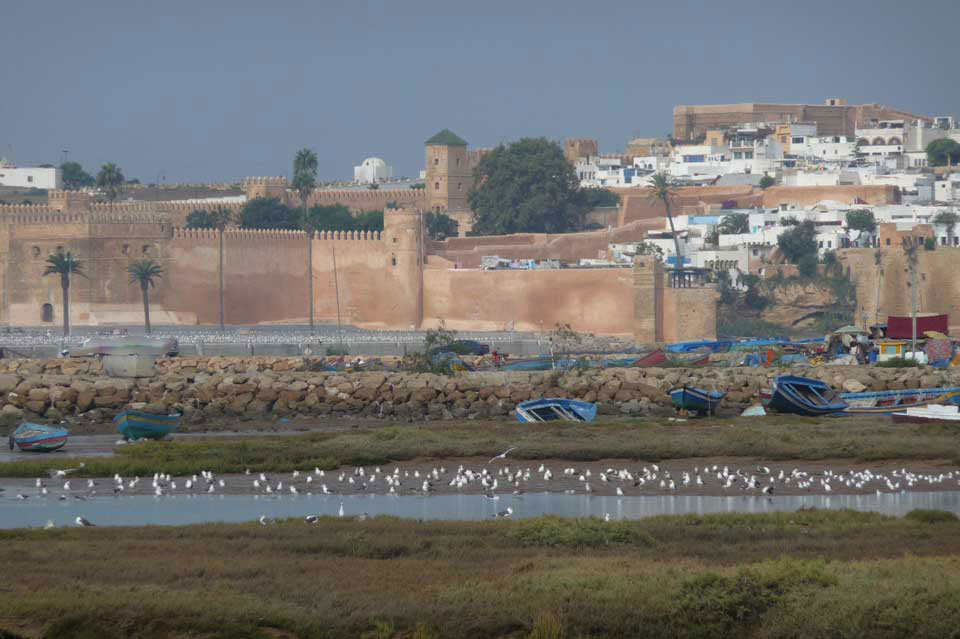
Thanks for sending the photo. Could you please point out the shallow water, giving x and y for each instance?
(178, 510)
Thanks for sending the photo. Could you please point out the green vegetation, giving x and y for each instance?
(928, 516)
(440, 226)
(774, 438)
(861, 220)
(943, 152)
(268, 213)
(732, 324)
(804, 574)
(111, 180)
(661, 190)
(948, 219)
(526, 187)
(74, 177)
(65, 265)
(898, 362)
(597, 197)
(734, 224)
(766, 182)
(144, 272)
(303, 182)
(798, 241)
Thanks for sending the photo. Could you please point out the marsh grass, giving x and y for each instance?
(804, 574)
(773, 438)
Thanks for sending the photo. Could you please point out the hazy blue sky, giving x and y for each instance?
(206, 90)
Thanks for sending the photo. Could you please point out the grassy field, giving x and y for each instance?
(771, 438)
(805, 574)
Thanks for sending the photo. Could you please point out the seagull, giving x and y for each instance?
(81, 521)
(504, 513)
(311, 519)
(340, 512)
(502, 455)
(263, 520)
(49, 525)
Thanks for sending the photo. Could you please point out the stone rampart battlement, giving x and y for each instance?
(351, 236)
(236, 234)
(276, 180)
(28, 215)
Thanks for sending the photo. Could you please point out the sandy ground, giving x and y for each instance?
(931, 475)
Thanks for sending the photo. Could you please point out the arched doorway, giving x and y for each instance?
(46, 313)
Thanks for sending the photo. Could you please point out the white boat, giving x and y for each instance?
(929, 414)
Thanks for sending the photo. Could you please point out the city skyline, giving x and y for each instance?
(220, 91)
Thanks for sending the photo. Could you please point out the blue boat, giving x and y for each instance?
(556, 409)
(135, 424)
(803, 396)
(539, 364)
(701, 401)
(890, 402)
(38, 438)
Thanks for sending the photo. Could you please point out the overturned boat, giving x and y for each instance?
(804, 396)
(556, 409)
(929, 414)
(135, 424)
(690, 398)
(890, 402)
(38, 438)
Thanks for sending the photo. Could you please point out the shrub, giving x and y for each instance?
(558, 532)
(548, 625)
(898, 362)
(928, 516)
(807, 265)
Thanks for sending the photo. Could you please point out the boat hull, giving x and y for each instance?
(696, 399)
(890, 402)
(37, 438)
(802, 396)
(134, 425)
(555, 409)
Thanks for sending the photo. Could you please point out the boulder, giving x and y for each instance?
(853, 386)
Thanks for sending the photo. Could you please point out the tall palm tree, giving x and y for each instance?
(663, 191)
(910, 250)
(144, 272)
(110, 179)
(64, 265)
(220, 218)
(304, 181)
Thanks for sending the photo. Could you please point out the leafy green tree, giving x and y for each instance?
(527, 186)
(861, 220)
(943, 152)
(807, 265)
(949, 220)
(766, 182)
(799, 241)
(440, 226)
(418, 185)
(734, 224)
(111, 180)
(200, 219)
(74, 177)
(304, 181)
(661, 190)
(369, 221)
(145, 272)
(597, 197)
(334, 217)
(65, 265)
(789, 221)
(219, 218)
(269, 213)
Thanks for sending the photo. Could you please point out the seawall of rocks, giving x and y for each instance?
(261, 386)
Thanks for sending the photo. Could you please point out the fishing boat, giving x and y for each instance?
(929, 414)
(38, 437)
(803, 396)
(135, 424)
(652, 358)
(539, 364)
(696, 361)
(556, 409)
(701, 401)
(889, 402)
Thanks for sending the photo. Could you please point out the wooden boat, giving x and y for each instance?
(691, 362)
(929, 414)
(555, 409)
(38, 438)
(889, 402)
(539, 364)
(698, 400)
(135, 424)
(652, 358)
(803, 396)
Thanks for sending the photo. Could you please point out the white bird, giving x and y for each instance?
(340, 512)
(293, 489)
(502, 455)
(311, 519)
(83, 522)
(263, 520)
(619, 492)
(504, 513)
(49, 525)
(606, 517)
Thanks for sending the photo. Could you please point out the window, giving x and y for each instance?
(46, 313)
(145, 249)
(459, 186)
(436, 186)
(888, 241)
(748, 155)
(829, 243)
(820, 244)
(436, 161)
(29, 178)
(393, 261)
(35, 251)
(797, 140)
(737, 155)
(458, 161)
(125, 249)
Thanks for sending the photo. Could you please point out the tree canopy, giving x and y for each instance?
(216, 218)
(861, 220)
(527, 186)
(144, 272)
(597, 197)
(111, 180)
(942, 152)
(799, 241)
(766, 182)
(304, 173)
(74, 177)
(734, 224)
(440, 226)
(268, 213)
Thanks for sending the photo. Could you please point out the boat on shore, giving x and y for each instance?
(135, 424)
(702, 402)
(804, 396)
(556, 409)
(889, 402)
(929, 414)
(38, 438)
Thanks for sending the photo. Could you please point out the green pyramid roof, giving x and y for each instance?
(447, 138)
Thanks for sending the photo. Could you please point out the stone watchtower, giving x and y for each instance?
(449, 175)
(404, 243)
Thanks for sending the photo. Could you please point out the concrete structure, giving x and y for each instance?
(372, 170)
(575, 149)
(29, 177)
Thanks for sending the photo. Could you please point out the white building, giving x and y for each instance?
(372, 170)
(29, 177)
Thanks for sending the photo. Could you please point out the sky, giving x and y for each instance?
(210, 90)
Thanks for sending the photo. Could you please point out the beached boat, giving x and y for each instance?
(929, 414)
(696, 361)
(539, 364)
(696, 399)
(889, 402)
(135, 424)
(803, 396)
(652, 358)
(38, 437)
(555, 409)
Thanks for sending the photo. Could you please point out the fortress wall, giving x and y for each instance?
(592, 300)
(359, 200)
(846, 193)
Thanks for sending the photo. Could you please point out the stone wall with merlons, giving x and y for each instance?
(264, 386)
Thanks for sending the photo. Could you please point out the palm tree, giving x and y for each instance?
(734, 224)
(110, 179)
(144, 272)
(64, 265)
(662, 191)
(220, 218)
(304, 181)
(949, 219)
